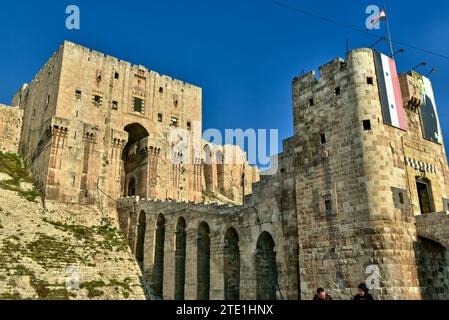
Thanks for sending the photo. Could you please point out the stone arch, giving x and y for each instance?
(159, 250)
(137, 140)
(266, 269)
(425, 196)
(140, 241)
(203, 262)
(180, 259)
(231, 265)
(432, 261)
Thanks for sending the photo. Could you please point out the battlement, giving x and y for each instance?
(93, 54)
(329, 70)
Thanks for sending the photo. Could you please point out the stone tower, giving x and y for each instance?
(369, 160)
(96, 127)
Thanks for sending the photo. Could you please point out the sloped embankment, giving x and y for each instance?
(45, 254)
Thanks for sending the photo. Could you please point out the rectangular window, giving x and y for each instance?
(159, 117)
(366, 125)
(337, 91)
(116, 75)
(189, 126)
(328, 206)
(401, 198)
(78, 94)
(47, 102)
(138, 105)
(446, 204)
(114, 105)
(370, 81)
(311, 102)
(323, 138)
(174, 121)
(97, 100)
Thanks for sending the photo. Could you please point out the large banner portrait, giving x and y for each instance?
(428, 112)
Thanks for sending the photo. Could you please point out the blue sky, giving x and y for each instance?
(243, 53)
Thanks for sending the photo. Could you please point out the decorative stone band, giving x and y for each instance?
(420, 165)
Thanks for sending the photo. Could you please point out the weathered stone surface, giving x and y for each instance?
(10, 128)
(351, 193)
(264, 261)
(5, 177)
(38, 250)
(363, 176)
(25, 186)
(99, 128)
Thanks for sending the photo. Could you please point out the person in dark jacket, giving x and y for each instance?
(321, 295)
(363, 293)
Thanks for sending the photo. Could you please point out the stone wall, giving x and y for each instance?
(195, 251)
(434, 226)
(354, 184)
(432, 261)
(223, 169)
(10, 127)
(94, 122)
(346, 198)
(432, 255)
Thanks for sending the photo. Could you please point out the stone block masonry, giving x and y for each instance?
(94, 122)
(10, 128)
(219, 252)
(357, 193)
(354, 191)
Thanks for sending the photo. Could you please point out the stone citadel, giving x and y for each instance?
(362, 185)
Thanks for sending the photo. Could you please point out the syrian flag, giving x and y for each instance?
(382, 16)
(390, 91)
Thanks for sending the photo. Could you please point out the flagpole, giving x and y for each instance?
(387, 19)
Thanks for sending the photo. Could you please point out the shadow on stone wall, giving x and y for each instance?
(433, 269)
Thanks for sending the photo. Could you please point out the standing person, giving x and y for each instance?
(322, 295)
(363, 293)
